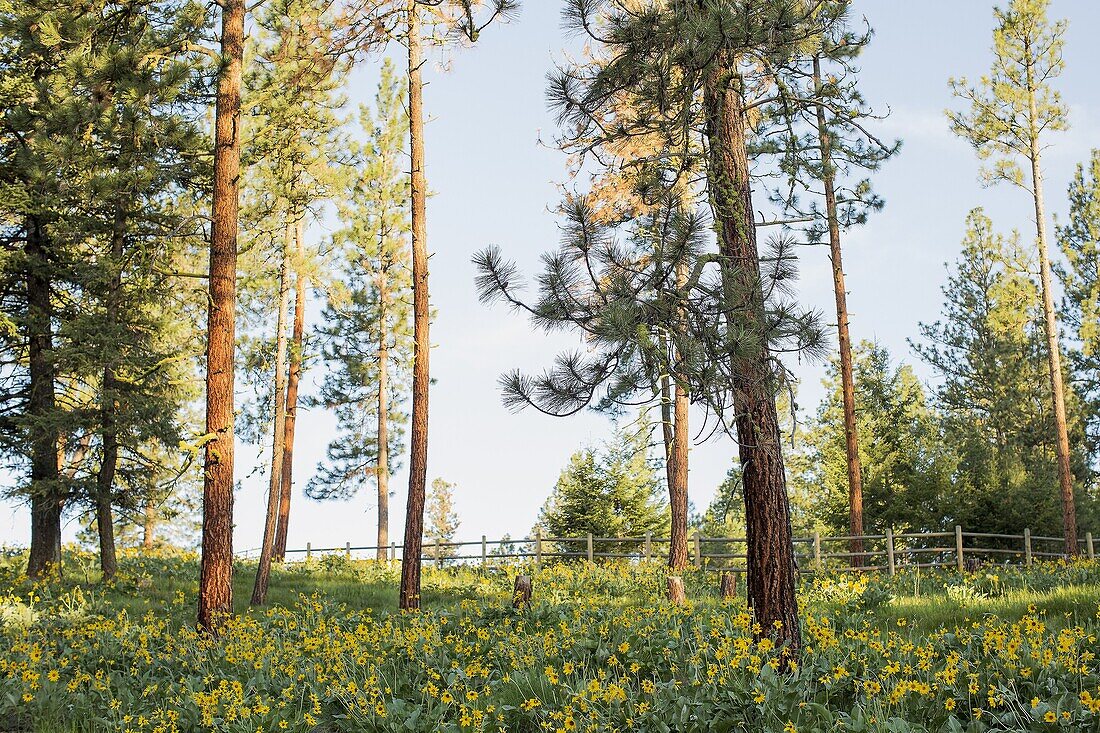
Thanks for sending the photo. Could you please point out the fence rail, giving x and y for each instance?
(882, 552)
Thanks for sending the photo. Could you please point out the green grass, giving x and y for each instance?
(1065, 606)
(1065, 594)
(1004, 648)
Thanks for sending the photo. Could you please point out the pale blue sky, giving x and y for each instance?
(495, 184)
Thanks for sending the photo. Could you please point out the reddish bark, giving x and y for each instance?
(847, 381)
(216, 574)
(297, 342)
(275, 473)
(771, 566)
(418, 435)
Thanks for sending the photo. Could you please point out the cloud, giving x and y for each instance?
(923, 124)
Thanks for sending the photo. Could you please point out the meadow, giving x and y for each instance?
(999, 649)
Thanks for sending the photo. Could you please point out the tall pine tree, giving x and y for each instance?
(1012, 111)
(366, 335)
(111, 111)
(826, 162)
(697, 73)
(292, 147)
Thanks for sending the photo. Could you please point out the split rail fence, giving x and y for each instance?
(881, 552)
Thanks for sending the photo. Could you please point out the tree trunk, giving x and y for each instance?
(216, 576)
(728, 586)
(847, 381)
(1054, 361)
(771, 568)
(382, 469)
(104, 522)
(667, 432)
(105, 477)
(677, 596)
(418, 437)
(678, 482)
(521, 594)
(678, 458)
(286, 481)
(149, 526)
(275, 474)
(45, 488)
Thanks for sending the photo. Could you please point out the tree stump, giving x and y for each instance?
(521, 595)
(676, 594)
(972, 564)
(728, 585)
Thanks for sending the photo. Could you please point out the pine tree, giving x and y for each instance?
(907, 467)
(457, 18)
(1011, 112)
(442, 517)
(216, 571)
(696, 72)
(822, 162)
(627, 297)
(988, 352)
(117, 120)
(609, 491)
(1079, 239)
(146, 148)
(37, 40)
(291, 149)
(366, 336)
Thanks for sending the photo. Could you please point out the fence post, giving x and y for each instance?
(817, 550)
(538, 548)
(309, 551)
(649, 544)
(347, 549)
(484, 552)
(438, 555)
(959, 547)
(890, 550)
(590, 555)
(698, 550)
(393, 552)
(1027, 547)
(1089, 546)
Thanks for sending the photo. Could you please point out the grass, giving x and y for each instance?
(159, 582)
(1004, 648)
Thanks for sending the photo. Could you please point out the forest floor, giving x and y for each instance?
(1003, 648)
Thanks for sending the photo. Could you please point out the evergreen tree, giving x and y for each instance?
(442, 517)
(292, 151)
(612, 491)
(456, 17)
(628, 299)
(1080, 242)
(132, 336)
(1011, 112)
(111, 111)
(988, 352)
(216, 565)
(39, 43)
(696, 73)
(366, 335)
(824, 162)
(629, 188)
(906, 468)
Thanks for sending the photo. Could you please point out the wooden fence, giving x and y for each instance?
(882, 552)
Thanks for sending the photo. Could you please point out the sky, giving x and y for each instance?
(495, 177)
